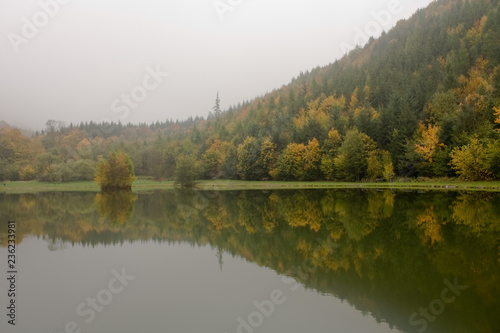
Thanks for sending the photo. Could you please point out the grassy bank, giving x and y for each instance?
(142, 185)
(87, 186)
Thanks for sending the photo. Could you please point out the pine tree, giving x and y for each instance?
(216, 108)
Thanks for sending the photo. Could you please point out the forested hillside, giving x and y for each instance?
(423, 100)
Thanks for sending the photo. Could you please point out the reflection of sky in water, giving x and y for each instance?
(177, 288)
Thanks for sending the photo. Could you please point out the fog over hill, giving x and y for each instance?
(79, 64)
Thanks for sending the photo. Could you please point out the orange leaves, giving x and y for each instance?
(497, 114)
(428, 141)
(477, 77)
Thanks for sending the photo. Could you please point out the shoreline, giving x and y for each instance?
(225, 185)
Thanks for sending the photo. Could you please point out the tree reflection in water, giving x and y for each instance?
(384, 252)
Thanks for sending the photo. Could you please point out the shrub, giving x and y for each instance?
(115, 172)
(186, 170)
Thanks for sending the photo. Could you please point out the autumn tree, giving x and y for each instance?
(299, 162)
(313, 122)
(333, 142)
(475, 92)
(428, 141)
(469, 160)
(115, 172)
(267, 158)
(290, 164)
(312, 161)
(27, 173)
(432, 154)
(218, 161)
(211, 161)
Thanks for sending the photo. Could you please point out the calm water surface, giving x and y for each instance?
(253, 261)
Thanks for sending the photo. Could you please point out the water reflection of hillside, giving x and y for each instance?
(387, 253)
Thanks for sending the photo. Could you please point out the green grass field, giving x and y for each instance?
(143, 185)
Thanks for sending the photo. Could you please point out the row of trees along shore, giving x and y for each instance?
(423, 100)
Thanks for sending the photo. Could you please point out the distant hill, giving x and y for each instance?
(25, 132)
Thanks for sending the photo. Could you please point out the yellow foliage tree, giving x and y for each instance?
(267, 156)
(388, 172)
(428, 141)
(315, 112)
(469, 160)
(333, 142)
(115, 172)
(214, 158)
(27, 173)
(299, 162)
(312, 156)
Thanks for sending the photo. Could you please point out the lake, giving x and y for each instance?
(253, 261)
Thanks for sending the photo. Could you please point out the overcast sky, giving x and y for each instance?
(147, 60)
